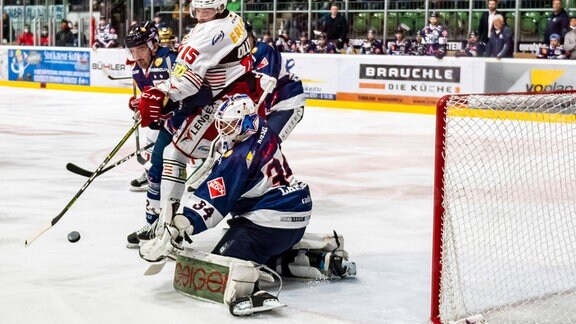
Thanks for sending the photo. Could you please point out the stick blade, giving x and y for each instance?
(155, 268)
(36, 234)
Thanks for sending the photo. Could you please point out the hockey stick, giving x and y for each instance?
(55, 220)
(140, 158)
(111, 77)
(86, 173)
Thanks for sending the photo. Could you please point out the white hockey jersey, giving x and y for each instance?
(214, 53)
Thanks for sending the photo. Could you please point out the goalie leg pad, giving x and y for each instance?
(214, 277)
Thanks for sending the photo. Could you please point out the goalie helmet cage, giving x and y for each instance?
(504, 233)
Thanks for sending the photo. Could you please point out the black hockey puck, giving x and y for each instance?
(73, 236)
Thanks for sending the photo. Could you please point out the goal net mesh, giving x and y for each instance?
(508, 248)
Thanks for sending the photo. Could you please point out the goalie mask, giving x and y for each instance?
(236, 120)
(218, 5)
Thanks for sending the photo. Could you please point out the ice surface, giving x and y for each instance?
(371, 179)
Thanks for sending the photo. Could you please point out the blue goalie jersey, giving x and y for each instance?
(252, 180)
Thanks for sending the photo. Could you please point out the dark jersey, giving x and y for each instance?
(252, 180)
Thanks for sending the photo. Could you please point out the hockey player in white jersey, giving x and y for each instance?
(216, 54)
(270, 210)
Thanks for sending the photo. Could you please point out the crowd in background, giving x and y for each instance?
(491, 38)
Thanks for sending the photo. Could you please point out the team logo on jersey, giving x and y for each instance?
(262, 64)
(179, 70)
(254, 50)
(216, 188)
(158, 61)
(228, 153)
(218, 37)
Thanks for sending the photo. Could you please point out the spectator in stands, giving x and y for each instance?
(474, 47)
(7, 37)
(26, 38)
(267, 38)
(500, 44)
(487, 20)
(570, 40)
(325, 46)
(305, 46)
(336, 27)
(106, 36)
(64, 36)
(371, 45)
(79, 38)
(400, 45)
(554, 51)
(158, 21)
(282, 42)
(558, 23)
(44, 37)
(434, 37)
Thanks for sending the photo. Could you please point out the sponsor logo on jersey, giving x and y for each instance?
(158, 61)
(254, 50)
(249, 156)
(262, 64)
(179, 70)
(216, 188)
(218, 37)
(237, 33)
(228, 153)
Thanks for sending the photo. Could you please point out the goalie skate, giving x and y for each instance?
(136, 239)
(258, 302)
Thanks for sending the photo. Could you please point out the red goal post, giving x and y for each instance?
(504, 232)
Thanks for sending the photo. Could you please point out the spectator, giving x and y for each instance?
(26, 38)
(335, 27)
(570, 40)
(500, 43)
(434, 37)
(487, 20)
(105, 35)
(79, 38)
(158, 22)
(282, 44)
(558, 22)
(554, 51)
(325, 46)
(400, 45)
(64, 37)
(44, 37)
(305, 46)
(7, 37)
(267, 38)
(474, 48)
(371, 45)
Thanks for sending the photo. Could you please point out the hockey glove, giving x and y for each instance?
(150, 106)
(133, 103)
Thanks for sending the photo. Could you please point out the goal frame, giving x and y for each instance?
(438, 197)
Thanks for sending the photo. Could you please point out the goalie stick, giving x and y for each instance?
(55, 220)
(86, 173)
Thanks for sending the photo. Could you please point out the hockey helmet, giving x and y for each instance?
(165, 34)
(218, 5)
(142, 33)
(235, 120)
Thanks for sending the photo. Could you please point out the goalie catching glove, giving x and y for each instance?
(168, 237)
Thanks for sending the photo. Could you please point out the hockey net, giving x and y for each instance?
(505, 209)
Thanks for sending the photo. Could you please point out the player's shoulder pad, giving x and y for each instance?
(216, 34)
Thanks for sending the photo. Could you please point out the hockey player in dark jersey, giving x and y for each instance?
(371, 45)
(434, 37)
(153, 65)
(285, 105)
(401, 45)
(253, 183)
(553, 51)
(474, 47)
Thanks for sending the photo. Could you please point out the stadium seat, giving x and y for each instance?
(377, 22)
(360, 24)
(511, 20)
(528, 23)
(476, 20)
(420, 21)
(392, 22)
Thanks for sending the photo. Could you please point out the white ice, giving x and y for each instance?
(371, 179)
